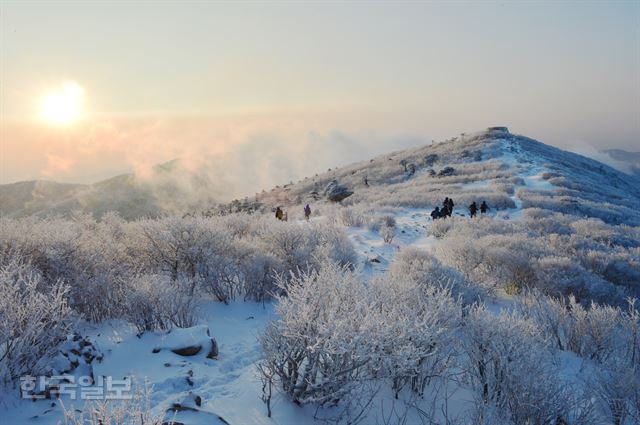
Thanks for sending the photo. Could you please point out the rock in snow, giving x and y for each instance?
(189, 342)
(335, 192)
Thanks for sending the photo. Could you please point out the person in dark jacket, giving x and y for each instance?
(473, 209)
(484, 207)
(444, 212)
(435, 214)
(307, 212)
(450, 207)
(279, 213)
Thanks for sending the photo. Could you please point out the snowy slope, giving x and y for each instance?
(497, 166)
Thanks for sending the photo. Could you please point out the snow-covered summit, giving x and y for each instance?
(503, 168)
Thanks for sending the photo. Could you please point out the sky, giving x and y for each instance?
(291, 88)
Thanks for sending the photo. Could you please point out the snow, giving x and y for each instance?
(229, 386)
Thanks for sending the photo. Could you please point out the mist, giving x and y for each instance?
(210, 159)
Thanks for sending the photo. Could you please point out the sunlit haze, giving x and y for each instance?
(275, 91)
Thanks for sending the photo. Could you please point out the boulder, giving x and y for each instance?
(187, 351)
(336, 192)
(189, 342)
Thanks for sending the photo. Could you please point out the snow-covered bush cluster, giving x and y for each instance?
(606, 338)
(553, 252)
(149, 272)
(106, 262)
(34, 320)
(134, 411)
(405, 331)
(334, 334)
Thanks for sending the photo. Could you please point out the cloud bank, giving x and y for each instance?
(218, 158)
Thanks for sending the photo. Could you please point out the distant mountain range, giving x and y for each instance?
(628, 161)
(169, 189)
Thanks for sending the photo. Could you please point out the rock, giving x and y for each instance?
(446, 171)
(177, 407)
(335, 192)
(186, 341)
(213, 351)
(191, 350)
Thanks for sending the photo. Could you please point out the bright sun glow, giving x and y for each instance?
(63, 106)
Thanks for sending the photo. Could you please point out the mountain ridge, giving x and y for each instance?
(488, 165)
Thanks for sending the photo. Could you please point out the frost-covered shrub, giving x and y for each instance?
(621, 270)
(335, 333)
(617, 381)
(617, 386)
(134, 411)
(87, 255)
(225, 256)
(352, 216)
(34, 320)
(511, 368)
(562, 276)
(607, 337)
(387, 232)
(421, 267)
(290, 243)
(491, 261)
(545, 251)
(411, 330)
(440, 227)
(154, 303)
(316, 349)
(597, 332)
(550, 314)
(332, 244)
(260, 271)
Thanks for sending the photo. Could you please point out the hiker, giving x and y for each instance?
(484, 207)
(444, 209)
(450, 207)
(435, 214)
(279, 213)
(366, 181)
(307, 212)
(473, 209)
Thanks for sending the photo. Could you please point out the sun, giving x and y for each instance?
(64, 105)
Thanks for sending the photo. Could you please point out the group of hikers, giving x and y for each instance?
(444, 212)
(473, 208)
(284, 216)
(447, 209)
